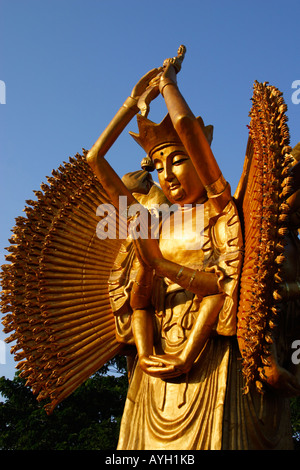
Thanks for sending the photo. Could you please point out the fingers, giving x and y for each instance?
(162, 360)
(163, 373)
(149, 362)
(149, 95)
(151, 74)
(156, 367)
(169, 70)
(142, 84)
(146, 249)
(139, 254)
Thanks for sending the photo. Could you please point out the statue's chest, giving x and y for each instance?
(183, 236)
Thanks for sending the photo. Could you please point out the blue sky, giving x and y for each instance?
(68, 65)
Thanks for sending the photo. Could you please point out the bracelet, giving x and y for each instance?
(179, 274)
(216, 188)
(164, 83)
(130, 103)
(191, 280)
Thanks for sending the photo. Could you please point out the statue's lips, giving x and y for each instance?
(173, 187)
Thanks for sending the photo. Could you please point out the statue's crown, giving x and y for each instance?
(152, 135)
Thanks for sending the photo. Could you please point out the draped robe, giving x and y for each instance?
(205, 408)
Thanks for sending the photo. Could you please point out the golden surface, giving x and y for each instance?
(206, 319)
(186, 389)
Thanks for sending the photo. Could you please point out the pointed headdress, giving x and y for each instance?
(152, 135)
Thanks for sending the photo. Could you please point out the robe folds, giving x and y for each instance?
(205, 409)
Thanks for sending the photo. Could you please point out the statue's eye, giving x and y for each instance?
(179, 161)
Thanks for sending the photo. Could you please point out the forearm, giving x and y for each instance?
(198, 282)
(127, 111)
(142, 327)
(175, 102)
(191, 134)
(202, 328)
(111, 182)
(142, 316)
(108, 178)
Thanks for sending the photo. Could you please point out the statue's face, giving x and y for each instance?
(177, 175)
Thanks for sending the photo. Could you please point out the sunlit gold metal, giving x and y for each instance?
(216, 188)
(207, 328)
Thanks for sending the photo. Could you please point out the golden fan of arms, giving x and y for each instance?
(262, 196)
(56, 286)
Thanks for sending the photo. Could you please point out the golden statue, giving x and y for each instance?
(197, 287)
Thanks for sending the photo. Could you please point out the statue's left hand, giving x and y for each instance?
(163, 367)
(146, 90)
(144, 82)
(171, 365)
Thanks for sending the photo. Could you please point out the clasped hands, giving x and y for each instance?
(165, 366)
(151, 84)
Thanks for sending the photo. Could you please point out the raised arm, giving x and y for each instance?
(194, 140)
(95, 157)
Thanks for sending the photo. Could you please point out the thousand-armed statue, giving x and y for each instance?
(197, 286)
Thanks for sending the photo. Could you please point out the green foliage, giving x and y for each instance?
(87, 420)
